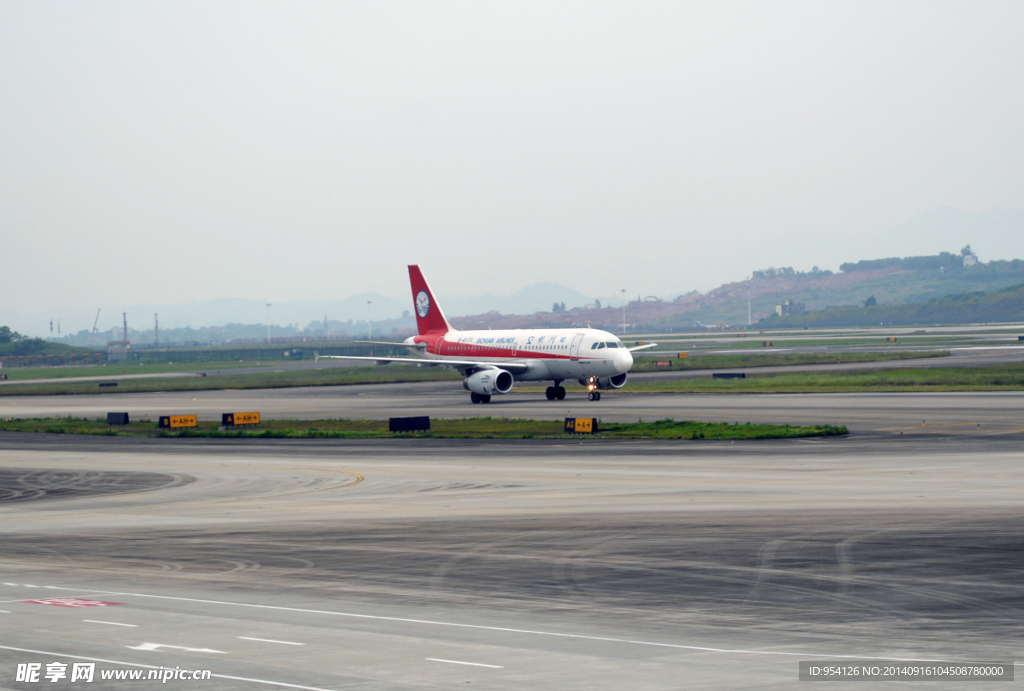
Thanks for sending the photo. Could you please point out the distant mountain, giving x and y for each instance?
(536, 298)
(222, 312)
(993, 235)
(297, 313)
(893, 280)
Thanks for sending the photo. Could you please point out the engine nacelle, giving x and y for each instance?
(616, 382)
(489, 381)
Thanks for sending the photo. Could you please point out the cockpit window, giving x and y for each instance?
(600, 345)
(593, 346)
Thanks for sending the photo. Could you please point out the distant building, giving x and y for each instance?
(789, 307)
(117, 351)
(970, 259)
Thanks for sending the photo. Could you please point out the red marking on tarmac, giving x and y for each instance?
(71, 602)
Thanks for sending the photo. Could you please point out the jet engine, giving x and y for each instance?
(616, 382)
(489, 381)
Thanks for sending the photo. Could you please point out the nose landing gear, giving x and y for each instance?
(594, 394)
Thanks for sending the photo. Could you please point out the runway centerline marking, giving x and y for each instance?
(504, 629)
(458, 662)
(112, 623)
(269, 640)
(268, 682)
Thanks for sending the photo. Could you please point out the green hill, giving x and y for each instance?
(893, 281)
(13, 343)
(1005, 305)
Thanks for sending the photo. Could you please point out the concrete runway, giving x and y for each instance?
(384, 564)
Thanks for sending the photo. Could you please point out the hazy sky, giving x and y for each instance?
(164, 152)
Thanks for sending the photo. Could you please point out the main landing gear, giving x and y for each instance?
(479, 398)
(556, 392)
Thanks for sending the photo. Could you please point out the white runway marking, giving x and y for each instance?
(10, 584)
(1005, 347)
(90, 592)
(5, 611)
(504, 629)
(269, 640)
(268, 682)
(112, 623)
(457, 662)
(150, 647)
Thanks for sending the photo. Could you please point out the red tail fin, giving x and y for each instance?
(429, 317)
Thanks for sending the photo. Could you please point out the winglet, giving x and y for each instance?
(429, 317)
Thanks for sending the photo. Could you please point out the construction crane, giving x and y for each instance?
(93, 334)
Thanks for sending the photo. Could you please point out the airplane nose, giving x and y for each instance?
(623, 361)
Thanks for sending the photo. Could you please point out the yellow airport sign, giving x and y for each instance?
(177, 421)
(580, 425)
(229, 419)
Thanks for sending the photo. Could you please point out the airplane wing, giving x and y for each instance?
(513, 367)
(643, 347)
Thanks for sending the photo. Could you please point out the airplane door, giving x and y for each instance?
(574, 349)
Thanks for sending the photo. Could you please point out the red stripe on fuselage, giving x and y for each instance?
(452, 349)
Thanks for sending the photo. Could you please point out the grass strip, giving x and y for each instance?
(29, 373)
(469, 428)
(995, 378)
(777, 359)
(329, 376)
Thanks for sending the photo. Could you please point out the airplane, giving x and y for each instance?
(492, 361)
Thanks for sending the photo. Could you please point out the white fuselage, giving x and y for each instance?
(548, 353)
